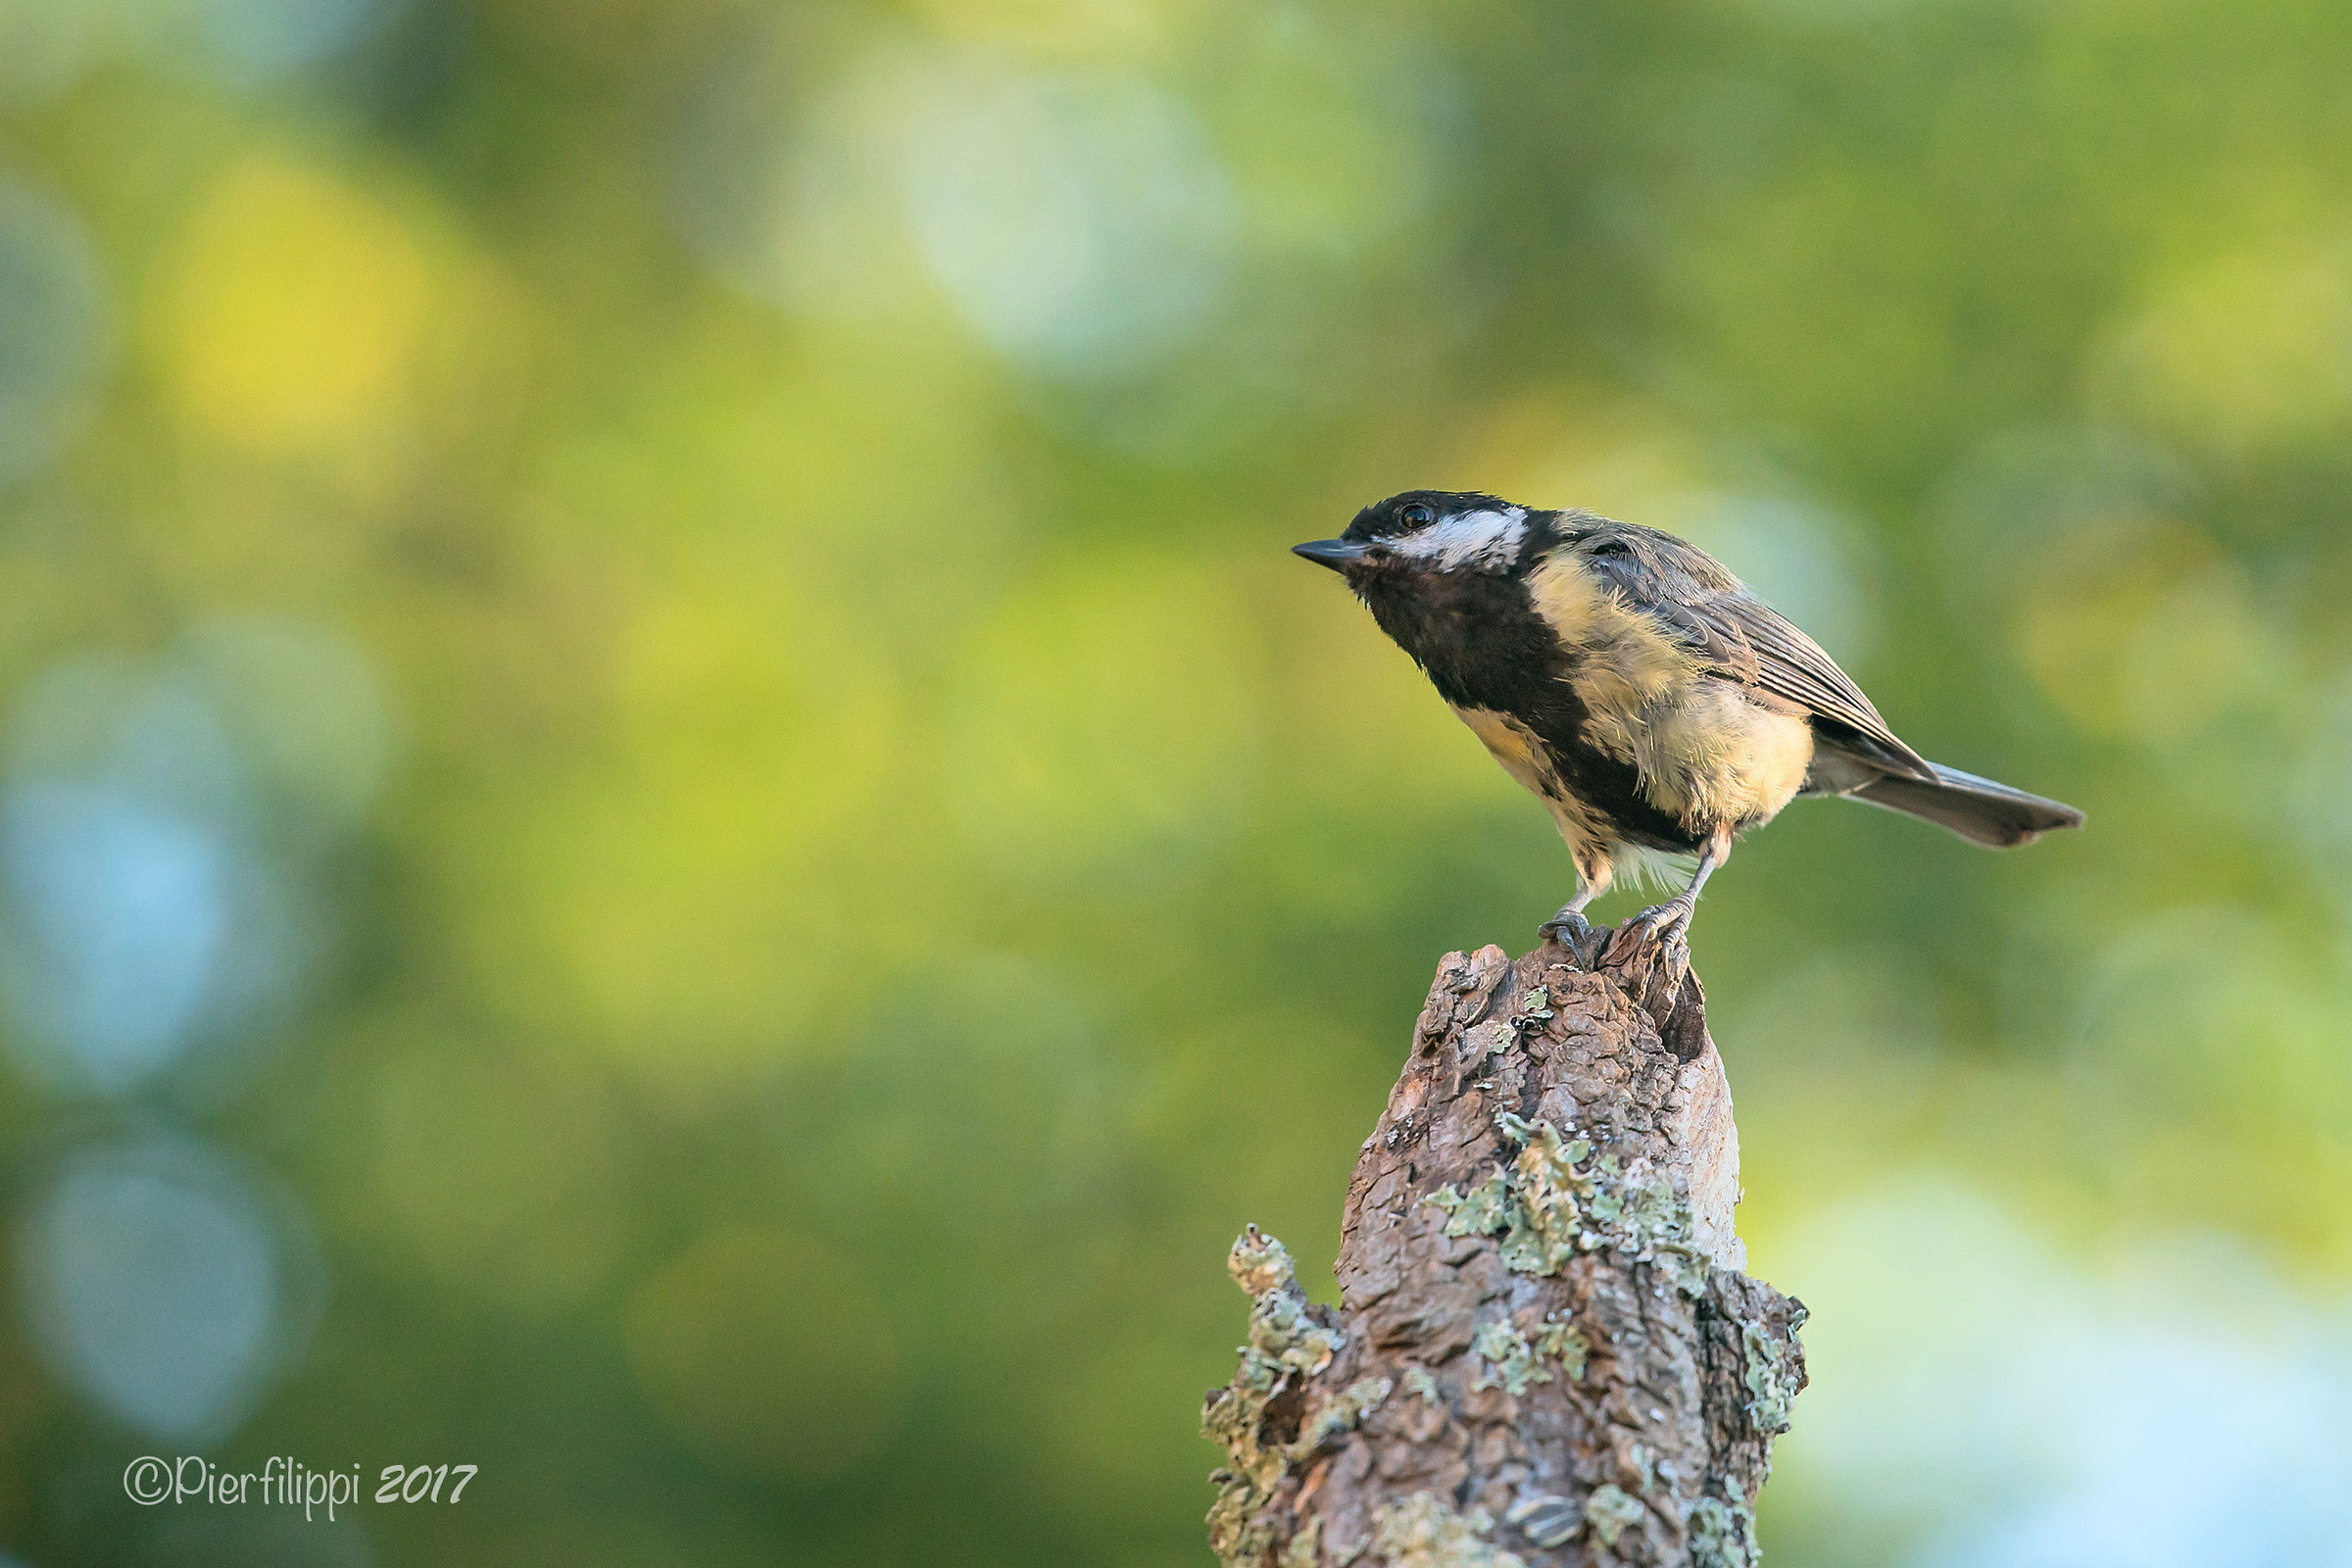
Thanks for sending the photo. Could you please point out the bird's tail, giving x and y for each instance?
(1979, 809)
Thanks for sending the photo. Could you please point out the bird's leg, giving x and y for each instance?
(1569, 927)
(1666, 921)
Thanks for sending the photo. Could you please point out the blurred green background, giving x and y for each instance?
(670, 820)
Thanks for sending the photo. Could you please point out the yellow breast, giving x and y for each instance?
(1704, 748)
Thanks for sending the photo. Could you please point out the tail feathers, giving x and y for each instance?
(1976, 808)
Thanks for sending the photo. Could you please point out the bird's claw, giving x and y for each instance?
(1666, 921)
(1650, 960)
(1569, 928)
(1662, 925)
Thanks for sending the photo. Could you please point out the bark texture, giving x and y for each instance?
(1546, 1351)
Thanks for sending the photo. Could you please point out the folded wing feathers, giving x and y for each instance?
(1744, 639)
(1790, 664)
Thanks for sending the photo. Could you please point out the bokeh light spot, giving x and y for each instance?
(1081, 222)
(152, 1280)
(671, 897)
(296, 311)
(2139, 627)
(1330, 131)
(2250, 350)
(1980, 1400)
(245, 42)
(156, 833)
(118, 914)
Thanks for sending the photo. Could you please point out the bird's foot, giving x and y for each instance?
(1650, 960)
(1574, 935)
(1661, 925)
(1569, 928)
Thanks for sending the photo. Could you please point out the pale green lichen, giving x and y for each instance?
(1535, 1008)
(1419, 1381)
(1723, 1531)
(1304, 1548)
(1235, 1533)
(1281, 1328)
(1517, 1360)
(1771, 1384)
(1259, 1263)
(1487, 1039)
(1643, 1213)
(1564, 1342)
(1512, 1363)
(1481, 1211)
(1609, 1511)
(1230, 1421)
(1547, 1209)
(1424, 1532)
(1339, 1414)
(1285, 1343)
(1544, 1180)
(1529, 1203)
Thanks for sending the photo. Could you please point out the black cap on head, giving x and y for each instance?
(1410, 511)
(1421, 532)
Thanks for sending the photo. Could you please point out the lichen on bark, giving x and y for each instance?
(1545, 1351)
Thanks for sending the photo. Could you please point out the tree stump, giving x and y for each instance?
(1546, 1351)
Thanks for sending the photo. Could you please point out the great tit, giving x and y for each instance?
(1654, 704)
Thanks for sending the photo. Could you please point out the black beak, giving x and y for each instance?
(1337, 554)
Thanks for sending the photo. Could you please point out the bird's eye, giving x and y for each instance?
(1417, 514)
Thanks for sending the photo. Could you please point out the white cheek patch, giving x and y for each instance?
(1484, 539)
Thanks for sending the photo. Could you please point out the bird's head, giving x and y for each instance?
(1424, 533)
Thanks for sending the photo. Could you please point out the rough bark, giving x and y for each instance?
(1546, 1351)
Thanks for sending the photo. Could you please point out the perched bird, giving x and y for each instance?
(1653, 703)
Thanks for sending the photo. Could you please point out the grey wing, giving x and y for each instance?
(1788, 663)
(1746, 640)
